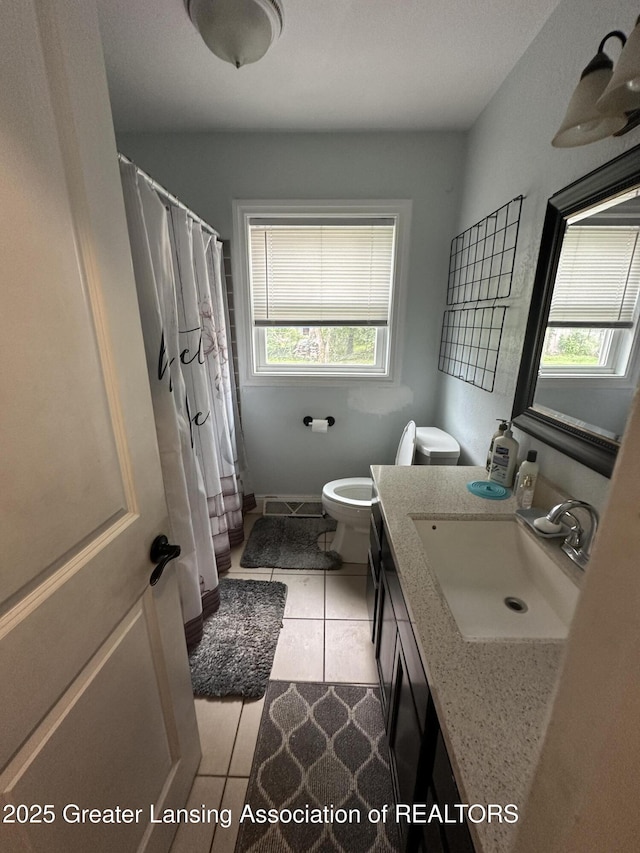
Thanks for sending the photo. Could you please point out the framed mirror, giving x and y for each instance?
(581, 357)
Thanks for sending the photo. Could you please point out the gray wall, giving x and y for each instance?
(611, 404)
(509, 153)
(207, 171)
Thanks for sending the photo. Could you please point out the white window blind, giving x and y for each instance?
(333, 273)
(598, 278)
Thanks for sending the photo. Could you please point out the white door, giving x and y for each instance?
(96, 707)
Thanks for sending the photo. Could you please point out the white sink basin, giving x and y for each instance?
(497, 580)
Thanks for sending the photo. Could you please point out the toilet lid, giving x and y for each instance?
(407, 446)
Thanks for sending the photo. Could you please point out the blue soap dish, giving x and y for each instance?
(488, 489)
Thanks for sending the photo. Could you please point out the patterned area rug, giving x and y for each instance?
(321, 750)
(289, 543)
(235, 655)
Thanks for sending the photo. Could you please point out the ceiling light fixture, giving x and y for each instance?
(238, 31)
(604, 103)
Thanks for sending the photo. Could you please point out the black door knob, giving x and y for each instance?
(160, 554)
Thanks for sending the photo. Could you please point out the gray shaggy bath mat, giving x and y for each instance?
(289, 543)
(235, 655)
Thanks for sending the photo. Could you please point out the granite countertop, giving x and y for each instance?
(493, 696)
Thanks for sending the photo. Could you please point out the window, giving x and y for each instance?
(594, 308)
(323, 285)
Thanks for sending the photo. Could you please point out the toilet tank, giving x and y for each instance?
(435, 447)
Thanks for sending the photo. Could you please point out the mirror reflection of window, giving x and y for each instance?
(591, 353)
(595, 300)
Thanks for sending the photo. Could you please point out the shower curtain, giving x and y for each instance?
(179, 279)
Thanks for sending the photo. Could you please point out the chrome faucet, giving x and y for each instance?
(577, 545)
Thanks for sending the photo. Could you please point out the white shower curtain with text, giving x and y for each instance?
(179, 278)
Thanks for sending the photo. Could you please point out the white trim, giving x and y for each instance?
(243, 210)
(592, 382)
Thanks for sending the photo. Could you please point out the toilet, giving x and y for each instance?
(348, 501)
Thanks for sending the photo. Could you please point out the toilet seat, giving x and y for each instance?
(349, 499)
(351, 491)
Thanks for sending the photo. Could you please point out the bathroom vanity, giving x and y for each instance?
(464, 717)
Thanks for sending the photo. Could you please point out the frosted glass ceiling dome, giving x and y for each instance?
(238, 31)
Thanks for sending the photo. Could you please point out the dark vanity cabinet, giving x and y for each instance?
(373, 575)
(420, 765)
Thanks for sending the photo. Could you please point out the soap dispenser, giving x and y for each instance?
(504, 458)
(497, 434)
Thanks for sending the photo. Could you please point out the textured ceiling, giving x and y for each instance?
(338, 65)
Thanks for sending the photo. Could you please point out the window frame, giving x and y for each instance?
(253, 371)
(628, 353)
(620, 364)
(322, 370)
(616, 363)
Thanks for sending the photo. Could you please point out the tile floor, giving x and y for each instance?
(326, 637)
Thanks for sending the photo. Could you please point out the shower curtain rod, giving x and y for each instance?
(167, 196)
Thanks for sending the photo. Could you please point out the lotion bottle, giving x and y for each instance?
(504, 458)
(499, 432)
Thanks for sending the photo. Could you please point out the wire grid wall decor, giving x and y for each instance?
(482, 257)
(480, 271)
(470, 344)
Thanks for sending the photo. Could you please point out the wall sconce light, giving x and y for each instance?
(238, 31)
(604, 103)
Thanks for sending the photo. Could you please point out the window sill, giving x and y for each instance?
(306, 380)
(590, 381)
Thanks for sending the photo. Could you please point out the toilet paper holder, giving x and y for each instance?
(307, 420)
